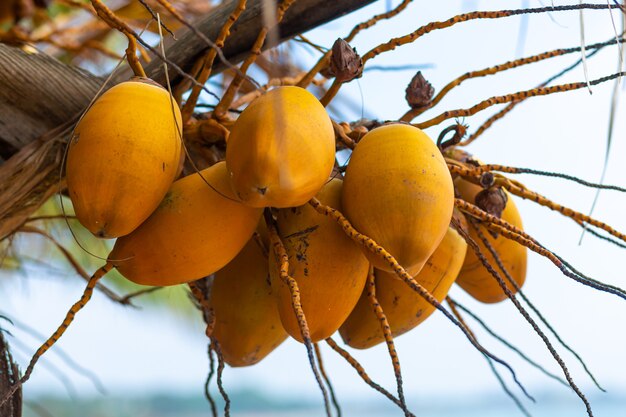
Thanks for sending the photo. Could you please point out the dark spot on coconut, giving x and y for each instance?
(303, 233)
(102, 232)
(396, 299)
(262, 190)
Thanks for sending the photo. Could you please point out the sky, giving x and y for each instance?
(142, 351)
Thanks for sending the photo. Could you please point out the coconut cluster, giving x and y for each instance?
(396, 192)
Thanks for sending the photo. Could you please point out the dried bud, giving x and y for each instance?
(9, 376)
(419, 92)
(492, 200)
(487, 179)
(345, 63)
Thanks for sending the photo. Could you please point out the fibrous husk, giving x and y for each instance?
(29, 178)
(9, 376)
(492, 200)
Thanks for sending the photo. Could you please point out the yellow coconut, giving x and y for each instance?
(474, 278)
(247, 323)
(123, 157)
(404, 308)
(281, 149)
(196, 231)
(398, 191)
(329, 267)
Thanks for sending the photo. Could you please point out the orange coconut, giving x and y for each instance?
(123, 157)
(281, 149)
(196, 231)
(398, 191)
(247, 323)
(474, 278)
(404, 308)
(329, 267)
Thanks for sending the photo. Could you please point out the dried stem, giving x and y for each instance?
(514, 97)
(505, 388)
(471, 243)
(476, 172)
(222, 107)
(139, 293)
(518, 189)
(525, 193)
(60, 331)
(63, 355)
(361, 371)
(220, 370)
(282, 260)
(343, 136)
(489, 122)
(502, 340)
(373, 247)
(207, 383)
(115, 22)
(325, 59)
(320, 362)
(403, 40)
(200, 295)
(386, 330)
(205, 65)
(76, 265)
(515, 285)
(413, 113)
(511, 232)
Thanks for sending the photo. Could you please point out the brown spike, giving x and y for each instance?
(419, 92)
(345, 62)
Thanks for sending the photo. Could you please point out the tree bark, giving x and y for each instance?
(38, 93)
(9, 375)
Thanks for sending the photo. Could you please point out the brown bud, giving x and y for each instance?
(487, 179)
(345, 63)
(492, 200)
(419, 92)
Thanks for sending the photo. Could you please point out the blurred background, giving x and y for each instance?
(152, 361)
